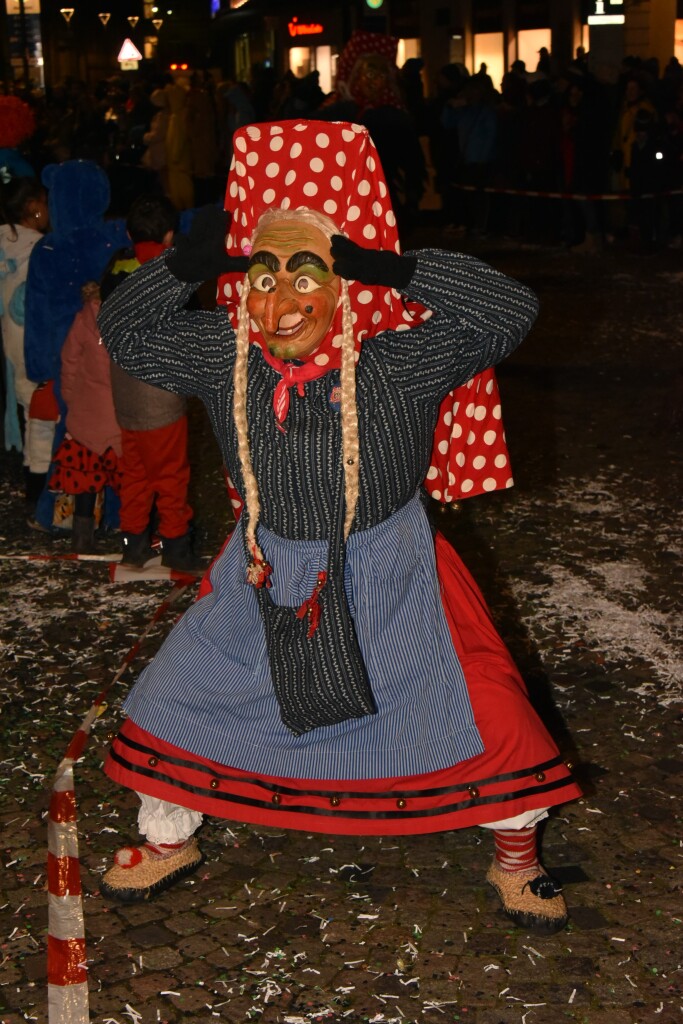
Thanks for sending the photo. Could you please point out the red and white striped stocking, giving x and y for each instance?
(516, 849)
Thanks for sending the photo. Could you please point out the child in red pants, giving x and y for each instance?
(155, 466)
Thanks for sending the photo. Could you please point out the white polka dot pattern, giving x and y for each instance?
(482, 464)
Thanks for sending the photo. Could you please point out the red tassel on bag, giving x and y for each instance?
(311, 606)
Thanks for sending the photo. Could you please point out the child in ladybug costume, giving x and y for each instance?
(342, 672)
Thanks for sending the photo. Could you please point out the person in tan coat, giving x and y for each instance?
(154, 157)
(202, 129)
(178, 149)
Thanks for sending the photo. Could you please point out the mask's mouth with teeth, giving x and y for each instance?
(289, 324)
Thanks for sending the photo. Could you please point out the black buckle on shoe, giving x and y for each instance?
(543, 886)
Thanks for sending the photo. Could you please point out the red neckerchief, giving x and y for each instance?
(146, 251)
(299, 373)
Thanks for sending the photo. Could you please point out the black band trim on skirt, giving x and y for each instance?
(337, 812)
(342, 794)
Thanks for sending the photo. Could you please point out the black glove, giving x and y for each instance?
(200, 255)
(371, 266)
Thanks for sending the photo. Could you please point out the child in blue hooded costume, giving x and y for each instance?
(76, 250)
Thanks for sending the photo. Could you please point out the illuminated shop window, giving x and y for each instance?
(529, 42)
(489, 50)
(408, 48)
(300, 58)
(323, 63)
(304, 59)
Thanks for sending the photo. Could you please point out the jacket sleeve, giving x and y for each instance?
(479, 316)
(152, 337)
(71, 359)
(42, 342)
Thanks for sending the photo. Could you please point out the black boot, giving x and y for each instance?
(177, 553)
(83, 535)
(136, 549)
(33, 488)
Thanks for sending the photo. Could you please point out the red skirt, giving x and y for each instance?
(520, 769)
(79, 470)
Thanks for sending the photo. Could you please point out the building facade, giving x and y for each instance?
(51, 40)
(301, 36)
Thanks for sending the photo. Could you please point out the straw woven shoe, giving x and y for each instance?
(138, 875)
(530, 898)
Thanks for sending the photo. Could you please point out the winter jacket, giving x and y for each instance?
(15, 249)
(86, 384)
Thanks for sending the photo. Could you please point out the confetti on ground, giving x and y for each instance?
(579, 565)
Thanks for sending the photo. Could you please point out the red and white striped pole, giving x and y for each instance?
(67, 976)
(67, 973)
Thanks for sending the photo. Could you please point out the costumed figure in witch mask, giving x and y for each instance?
(341, 672)
(368, 92)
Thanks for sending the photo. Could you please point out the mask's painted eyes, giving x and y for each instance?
(306, 283)
(264, 282)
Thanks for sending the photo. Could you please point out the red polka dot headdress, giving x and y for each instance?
(332, 168)
(363, 44)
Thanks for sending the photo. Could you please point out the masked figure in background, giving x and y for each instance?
(342, 673)
(368, 92)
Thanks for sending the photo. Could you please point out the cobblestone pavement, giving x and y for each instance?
(581, 565)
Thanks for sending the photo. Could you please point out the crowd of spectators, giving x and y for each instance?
(568, 133)
(554, 156)
(543, 129)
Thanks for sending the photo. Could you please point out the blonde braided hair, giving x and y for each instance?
(348, 410)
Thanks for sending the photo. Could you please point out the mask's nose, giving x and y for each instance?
(279, 303)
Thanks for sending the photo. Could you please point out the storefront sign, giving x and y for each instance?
(602, 17)
(305, 29)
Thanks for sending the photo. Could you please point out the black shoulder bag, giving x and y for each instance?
(315, 662)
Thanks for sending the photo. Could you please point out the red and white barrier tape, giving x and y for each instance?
(66, 556)
(151, 570)
(67, 978)
(621, 196)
